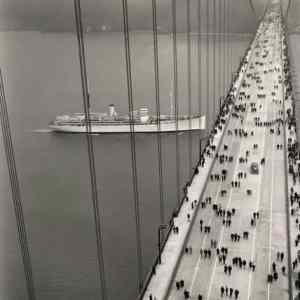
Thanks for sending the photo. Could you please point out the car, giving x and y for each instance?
(254, 168)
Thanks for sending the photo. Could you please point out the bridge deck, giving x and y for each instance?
(260, 117)
(204, 276)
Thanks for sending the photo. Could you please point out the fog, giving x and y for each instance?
(57, 15)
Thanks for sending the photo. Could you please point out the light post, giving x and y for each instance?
(160, 228)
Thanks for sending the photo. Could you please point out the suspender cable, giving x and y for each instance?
(224, 52)
(158, 113)
(199, 52)
(16, 193)
(287, 10)
(15, 190)
(288, 221)
(207, 69)
(133, 146)
(227, 47)
(175, 87)
(90, 146)
(232, 41)
(220, 51)
(189, 81)
(214, 60)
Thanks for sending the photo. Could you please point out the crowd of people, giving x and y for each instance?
(241, 108)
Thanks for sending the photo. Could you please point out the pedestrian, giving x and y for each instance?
(225, 269)
(222, 291)
(230, 292)
(270, 278)
(236, 294)
(278, 255)
(274, 266)
(182, 283)
(200, 297)
(186, 294)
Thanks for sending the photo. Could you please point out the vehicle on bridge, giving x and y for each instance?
(254, 168)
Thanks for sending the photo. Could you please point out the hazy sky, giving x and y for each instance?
(58, 14)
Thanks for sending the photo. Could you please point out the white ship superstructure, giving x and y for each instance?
(112, 122)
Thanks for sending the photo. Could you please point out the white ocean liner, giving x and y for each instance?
(111, 122)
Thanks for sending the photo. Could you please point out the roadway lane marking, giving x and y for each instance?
(257, 208)
(271, 208)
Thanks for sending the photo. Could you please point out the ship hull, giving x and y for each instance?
(166, 126)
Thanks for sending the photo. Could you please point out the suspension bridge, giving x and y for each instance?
(235, 232)
(234, 235)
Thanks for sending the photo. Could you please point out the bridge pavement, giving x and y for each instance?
(206, 276)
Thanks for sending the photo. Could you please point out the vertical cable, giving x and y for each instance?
(288, 221)
(199, 52)
(220, 49)
(158, 113)
(207, 69)
(90, 146)
(189, 82)
(214, 60)
(16, 193)
(232, 41)
(132, 143)
(228, 46)
(175, 86)
(224, 47)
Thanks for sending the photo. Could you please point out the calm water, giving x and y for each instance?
(42, 79)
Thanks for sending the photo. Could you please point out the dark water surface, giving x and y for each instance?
(42, 80)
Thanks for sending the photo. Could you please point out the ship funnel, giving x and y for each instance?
(144, 114)
(112, 111)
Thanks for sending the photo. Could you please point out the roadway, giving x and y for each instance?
(206, 276)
